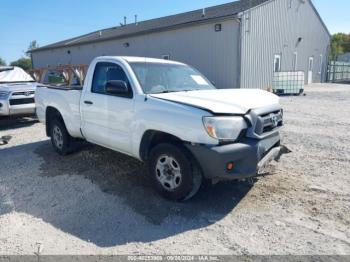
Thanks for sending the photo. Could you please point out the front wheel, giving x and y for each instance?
(175, 175)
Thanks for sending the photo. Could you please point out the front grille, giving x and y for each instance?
(269, 122)
(25, 93)
(23, 101)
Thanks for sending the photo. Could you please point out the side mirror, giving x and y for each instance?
(117, 87)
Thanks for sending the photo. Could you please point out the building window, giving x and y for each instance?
(218, 28)
(277, 63)
(295, 61)
(321, 65)
(166, 57)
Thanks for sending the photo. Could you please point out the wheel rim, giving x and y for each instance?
(57, 137)
(168, 172)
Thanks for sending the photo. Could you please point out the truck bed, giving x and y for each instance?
(68, 103)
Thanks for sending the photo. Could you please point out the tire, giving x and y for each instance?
(60, 139)
(173, 172)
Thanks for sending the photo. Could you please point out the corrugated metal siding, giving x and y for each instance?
(215, 54)
(274, 28)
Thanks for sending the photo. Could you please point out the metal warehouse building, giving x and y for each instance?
(236, 45)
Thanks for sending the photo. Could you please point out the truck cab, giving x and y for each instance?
(169, 115)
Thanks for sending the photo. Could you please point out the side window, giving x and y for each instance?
(105, 72)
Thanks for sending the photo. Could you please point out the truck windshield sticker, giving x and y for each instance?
(199, 80)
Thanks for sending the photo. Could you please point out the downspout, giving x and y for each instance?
(239, 78)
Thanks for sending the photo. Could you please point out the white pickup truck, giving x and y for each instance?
(168, 115)
(17, 91)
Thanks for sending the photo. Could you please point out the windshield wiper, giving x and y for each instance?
(165, 92)
(177, 91)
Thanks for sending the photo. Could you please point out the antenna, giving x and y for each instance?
(203, 12)
(124, 20)
(136, 23)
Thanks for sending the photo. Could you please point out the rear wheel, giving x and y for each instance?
(175, 175)
(60, 139)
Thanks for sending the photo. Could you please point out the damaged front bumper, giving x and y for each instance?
(246, 158)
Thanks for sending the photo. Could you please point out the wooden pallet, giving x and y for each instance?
(69, 72)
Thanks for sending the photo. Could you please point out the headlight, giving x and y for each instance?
(4, 94)
(224, 128)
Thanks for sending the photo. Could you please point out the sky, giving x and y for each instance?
(22, 21)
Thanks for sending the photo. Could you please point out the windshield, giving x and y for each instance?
(158, 78)
(14, 75)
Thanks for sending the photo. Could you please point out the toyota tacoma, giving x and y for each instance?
(168, 115)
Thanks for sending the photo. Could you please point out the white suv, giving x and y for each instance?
(17, 92)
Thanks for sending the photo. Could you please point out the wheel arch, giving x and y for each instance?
(151, 138)
(51, 114)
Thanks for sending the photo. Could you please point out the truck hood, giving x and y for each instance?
(18, 87)
(223, 101)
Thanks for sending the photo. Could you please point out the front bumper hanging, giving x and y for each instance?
(247, 158)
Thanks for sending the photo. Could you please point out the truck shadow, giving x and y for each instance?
(136, 214)
(7, 123)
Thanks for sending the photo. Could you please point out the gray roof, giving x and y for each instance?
(158, 24)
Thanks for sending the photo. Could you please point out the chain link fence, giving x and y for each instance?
(338, 72)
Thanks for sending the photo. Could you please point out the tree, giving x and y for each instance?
(32, 45)
(340, 44)
(25, 62)
(2, 62)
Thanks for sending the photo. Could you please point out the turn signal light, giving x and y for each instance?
(230, 166)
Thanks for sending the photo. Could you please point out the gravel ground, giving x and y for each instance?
(100, 202)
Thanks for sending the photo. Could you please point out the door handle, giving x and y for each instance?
(88, 103)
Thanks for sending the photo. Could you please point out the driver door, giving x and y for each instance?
(106, 118)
